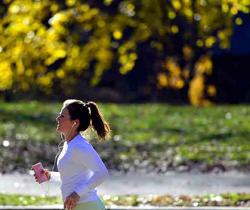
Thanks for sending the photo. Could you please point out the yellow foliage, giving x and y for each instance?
(58, 19)
(172, 66)
(83, 7)
(28, 42)
(104, 55)
(29, 72)
(60, 73)
(176, 4)
(210, 41)
(20, 67)
(143, 32)
(211, 90)
(199, 43)
(19, 27)
(6, 77)
(204, 65)
(162, 80)
(187, 52)
(75, 51)
(234, 10)
(107, 2)
(59, 53)
(45, 80)
(174, 77)
(126, 59)
(186, 73)
(70, 2)
(187, 2)
(238, 21)
(52, 35)
(130, 7)
(133, 56)
(55, 52)
(17, 51)
(54, 7)
(123, 59)
(221, 34)
(176, 82)
(197, 85)
(174, 29)
(225, 7)
(188, 12)
(171, 15)
(24, 86)
(14, 8)
(117, 34)
(196, 90)
(127, 67)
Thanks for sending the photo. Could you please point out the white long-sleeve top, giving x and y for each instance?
(81, 170)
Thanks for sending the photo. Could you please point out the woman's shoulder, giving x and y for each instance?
(81, 143)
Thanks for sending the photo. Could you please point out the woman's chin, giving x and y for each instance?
(59, 130)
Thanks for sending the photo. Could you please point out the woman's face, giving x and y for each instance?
(64, 123)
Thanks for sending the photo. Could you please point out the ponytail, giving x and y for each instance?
(98, 123)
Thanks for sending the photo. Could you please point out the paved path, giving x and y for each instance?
(118, 184)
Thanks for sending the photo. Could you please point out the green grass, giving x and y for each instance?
(157, 133)
(227, 199)
(24, 200)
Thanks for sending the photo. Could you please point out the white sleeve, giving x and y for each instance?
(88, 157)
(55, 176)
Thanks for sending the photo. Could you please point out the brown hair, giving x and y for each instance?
(89, 115)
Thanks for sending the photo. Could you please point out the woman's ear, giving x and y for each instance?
(76, 122)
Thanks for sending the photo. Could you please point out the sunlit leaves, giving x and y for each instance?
(213, 27)
(43, 41)
(117, 34)
(238, 21)
(176, 4)
(162, 80)
(127, 8)
(204, 65)
(196, 90)
(6, 78)
(197, 87)
(173, 78)
(174, 29)
(128, 62)
(107, 2)
(211, 90)
(127, 57)
(58, 19)
(187, 52)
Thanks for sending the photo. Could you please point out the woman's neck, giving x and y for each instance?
(70, 136)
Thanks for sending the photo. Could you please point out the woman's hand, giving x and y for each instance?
(46, 172)
(71, 201)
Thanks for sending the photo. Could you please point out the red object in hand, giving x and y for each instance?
(39, 171)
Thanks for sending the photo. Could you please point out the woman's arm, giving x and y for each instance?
(88, 157)
(54, 176)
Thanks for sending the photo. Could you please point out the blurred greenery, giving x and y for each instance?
(148, 137)
(227, 199)
(42, 42)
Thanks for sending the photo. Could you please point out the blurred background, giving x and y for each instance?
(178, 51)
(171, 78)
